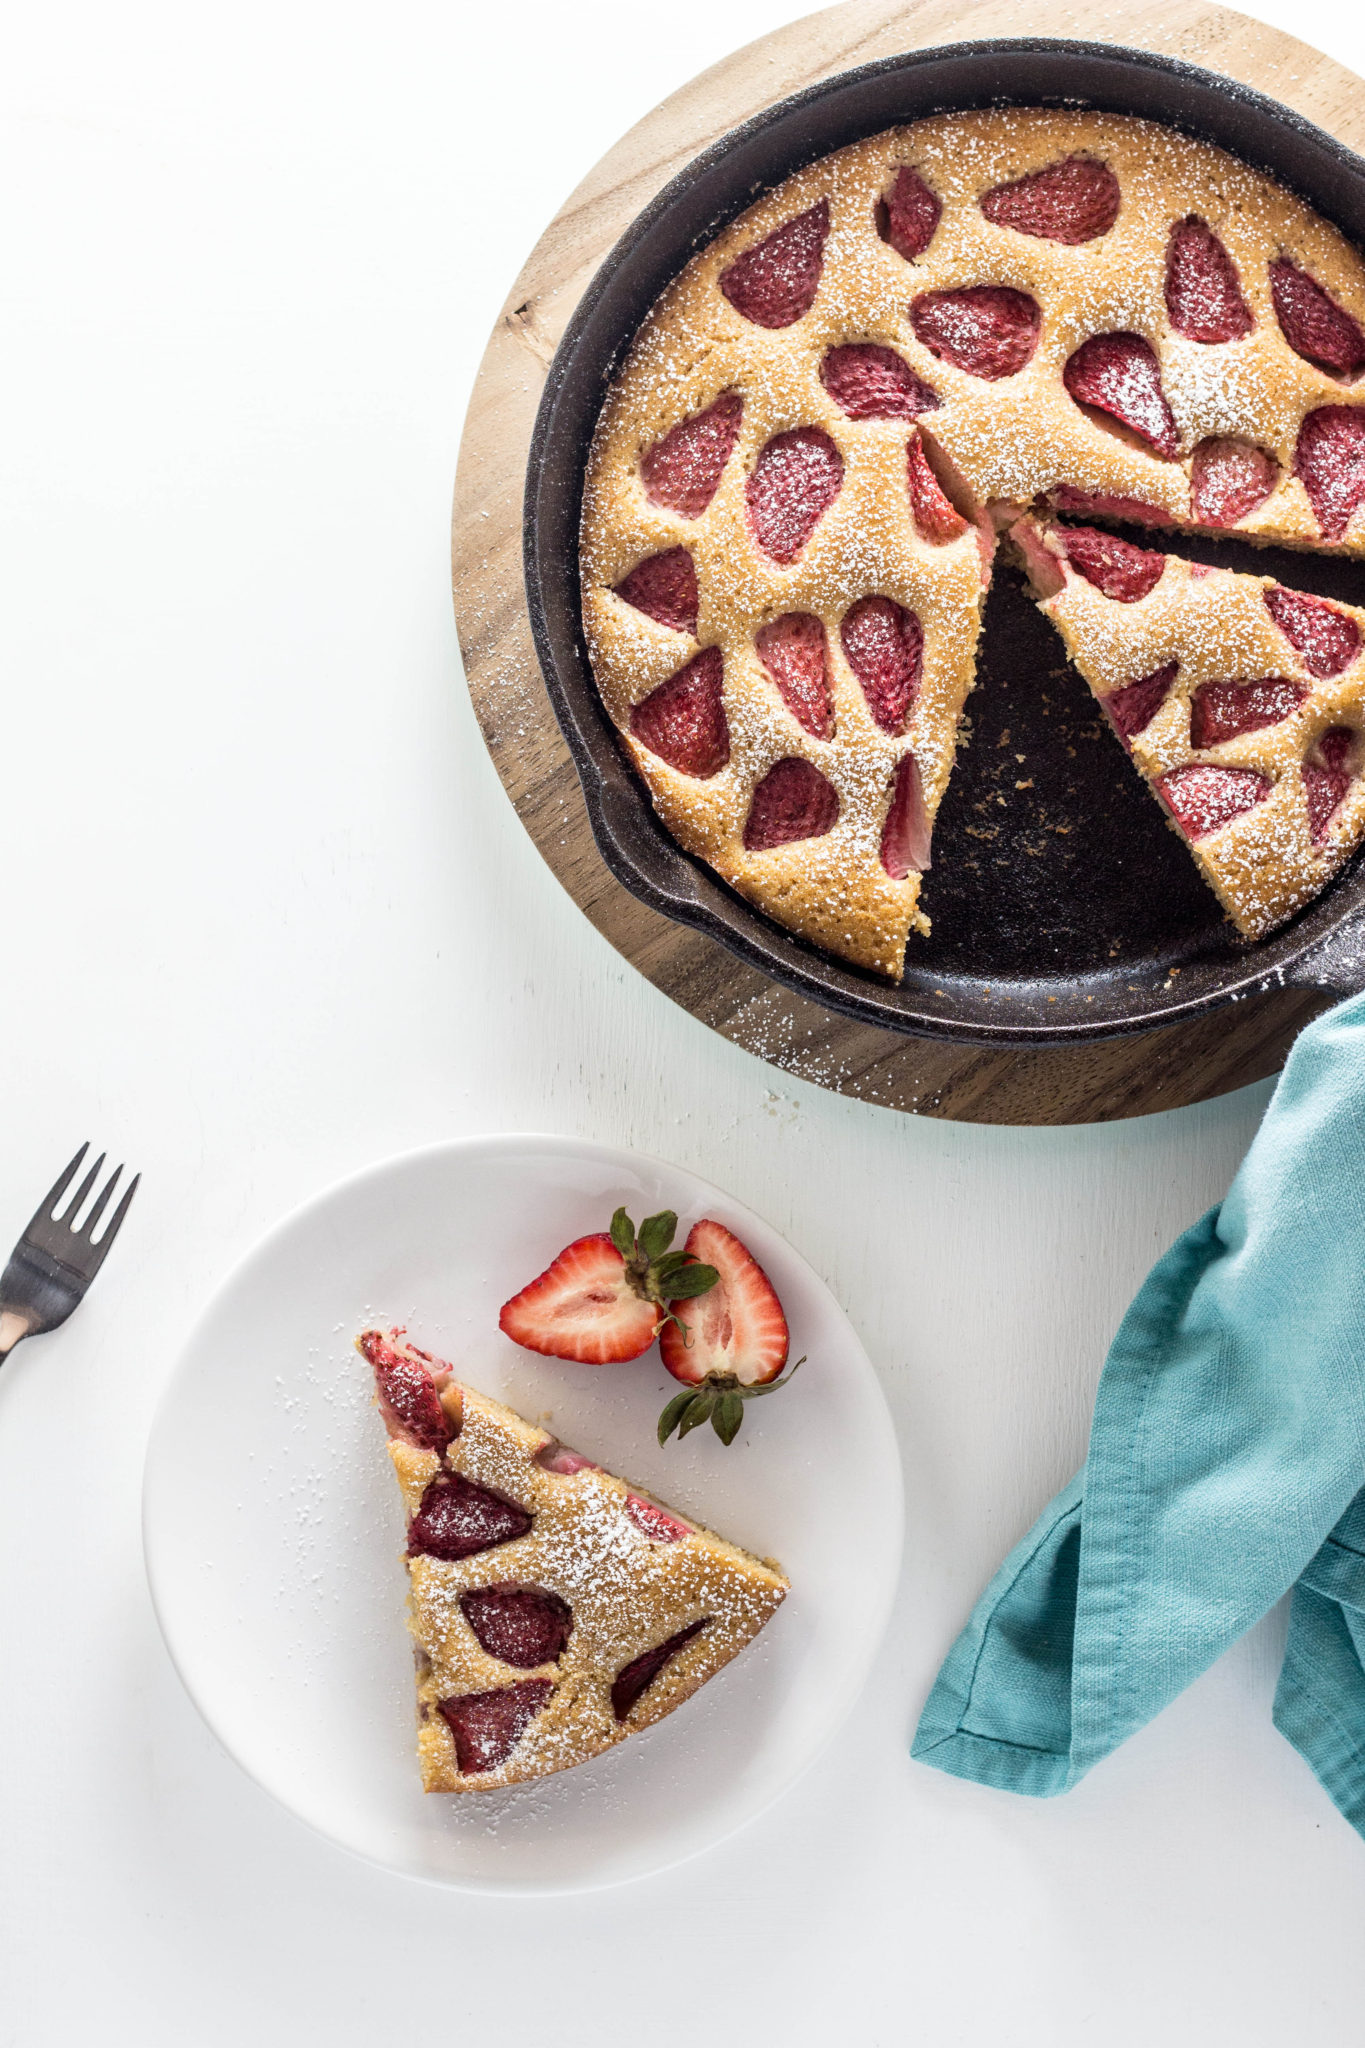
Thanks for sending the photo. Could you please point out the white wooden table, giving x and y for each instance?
(269, 916)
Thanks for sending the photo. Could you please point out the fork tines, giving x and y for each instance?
(62, 1236)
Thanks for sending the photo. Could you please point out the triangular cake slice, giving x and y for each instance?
(555, 1609)
(1240, 702)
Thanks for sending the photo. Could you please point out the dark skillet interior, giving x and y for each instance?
(1062, 905)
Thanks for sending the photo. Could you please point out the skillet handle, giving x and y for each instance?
(1333, 964)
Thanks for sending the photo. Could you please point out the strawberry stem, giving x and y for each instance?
(654, 1272)
(718, 1400)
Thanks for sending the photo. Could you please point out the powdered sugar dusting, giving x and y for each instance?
(1215, 628)
(1014, 438)
(627, 1590)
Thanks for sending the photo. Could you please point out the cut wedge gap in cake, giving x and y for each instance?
(1241, 704)
(555, 1610)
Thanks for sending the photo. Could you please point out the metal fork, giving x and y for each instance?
(55, 1260)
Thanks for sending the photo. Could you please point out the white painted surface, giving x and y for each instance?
(268, 918)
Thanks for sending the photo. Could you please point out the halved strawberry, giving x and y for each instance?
(883, 644)
(553, 1456)
(1108, 505)
(457, 1518)
(795, 480)
(487, 1726)
(737, 1342)
(664, 587)
(1224, 711)
(1327, 775)
(1323, 789)
(1115, 567)
(656, 1522)
(869, 382)
(792, 649)
(793, 801)
(988, 330)
(683, 471)
(642, 1671)
(605, 1296)
(524, 1626)
(1329, 461)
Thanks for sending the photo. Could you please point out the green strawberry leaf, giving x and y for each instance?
(727, 1416)
(671, 1263)
(673, 1413)
(698, 1411)
(656, 1233)
(690, 1281)
(623, 1233)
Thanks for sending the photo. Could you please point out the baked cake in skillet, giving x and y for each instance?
(555, 1610)
(1240, 702)
(795, 483)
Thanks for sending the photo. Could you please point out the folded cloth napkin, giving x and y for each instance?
(1226, 1465)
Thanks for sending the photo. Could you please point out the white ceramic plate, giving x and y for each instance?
(273, 1529)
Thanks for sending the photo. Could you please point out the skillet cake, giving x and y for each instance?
(797, 479)
(555, 1610)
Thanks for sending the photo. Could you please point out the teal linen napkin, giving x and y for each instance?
(1226, 1465)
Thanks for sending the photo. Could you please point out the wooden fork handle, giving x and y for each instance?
(14, 1325)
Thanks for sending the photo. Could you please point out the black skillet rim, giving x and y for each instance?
(630, 838)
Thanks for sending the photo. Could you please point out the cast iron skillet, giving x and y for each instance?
(1063, 907)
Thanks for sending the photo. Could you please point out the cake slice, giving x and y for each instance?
(1240, 702)
(555, 1610)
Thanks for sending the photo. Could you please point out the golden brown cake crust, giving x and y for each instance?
(1012, 440)
(628, 1593)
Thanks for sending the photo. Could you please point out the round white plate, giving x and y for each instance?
(273, 1529)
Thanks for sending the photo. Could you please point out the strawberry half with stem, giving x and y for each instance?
(606, 1297)
(737, 1343)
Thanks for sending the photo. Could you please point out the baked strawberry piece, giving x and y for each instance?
(683, 471)
(1073, 201)
(988, 330)
(793, 801)
(1118, 376)
(868, 382)
(907, 213)
(794, 650)
(683, 720)
(775, 282)
(1204, 299)
(554, 1609)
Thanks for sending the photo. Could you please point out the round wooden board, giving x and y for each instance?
(1121, 1077)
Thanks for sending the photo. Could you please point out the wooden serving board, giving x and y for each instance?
(1122, 1077)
